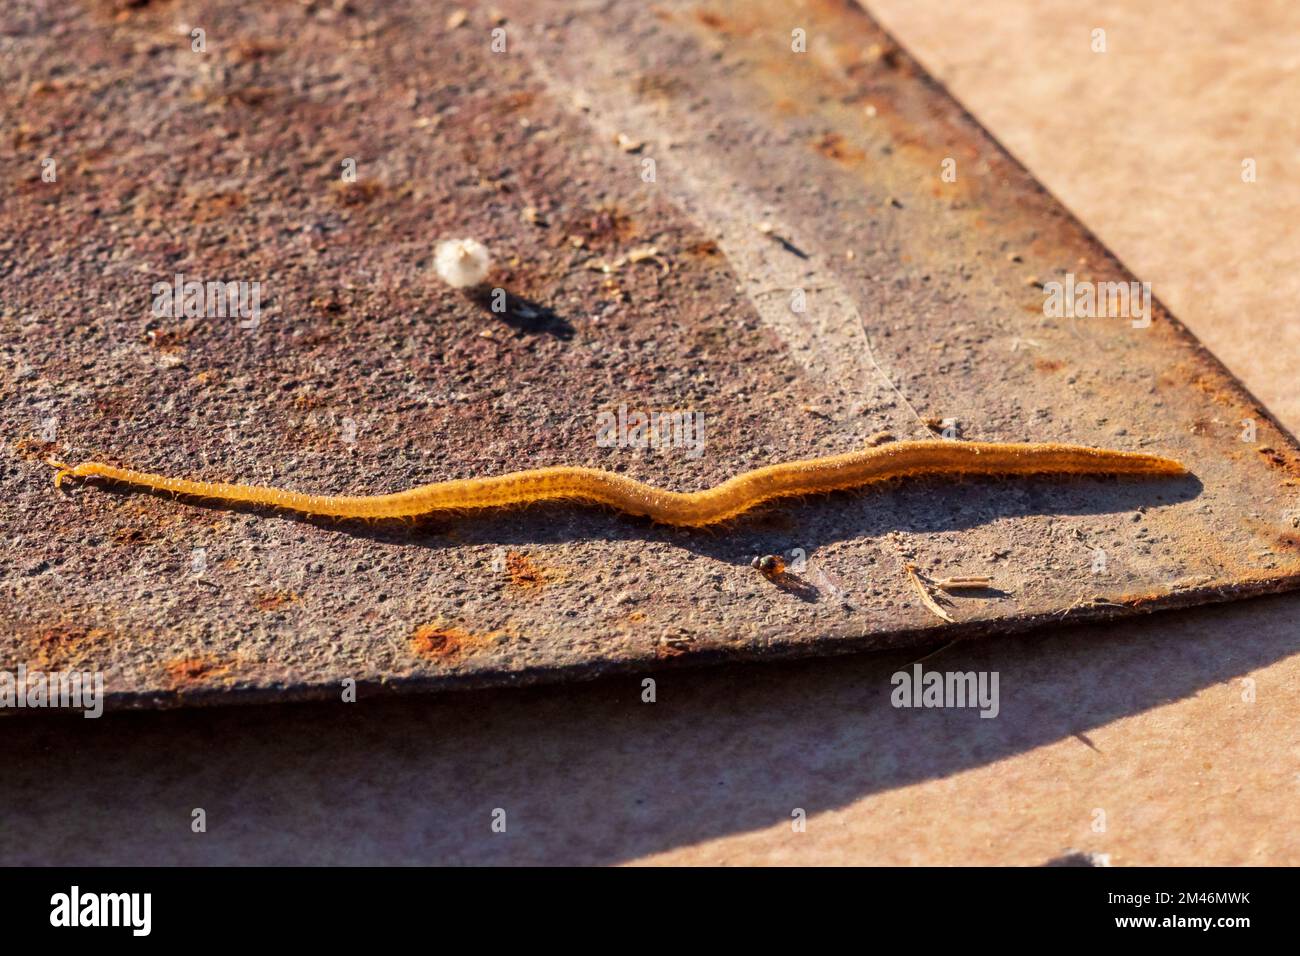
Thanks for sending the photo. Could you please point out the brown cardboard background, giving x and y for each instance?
(1144, 720)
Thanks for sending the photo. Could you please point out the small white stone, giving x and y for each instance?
(462, 263)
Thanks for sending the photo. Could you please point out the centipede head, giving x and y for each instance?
(61, 471)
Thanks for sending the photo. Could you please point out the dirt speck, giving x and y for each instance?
(135, 537)
(832, 146)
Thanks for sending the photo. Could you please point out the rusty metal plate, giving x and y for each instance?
(763, 214)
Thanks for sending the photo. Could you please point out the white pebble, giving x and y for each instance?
(462, 263)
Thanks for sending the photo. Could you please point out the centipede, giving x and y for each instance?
(943, 458)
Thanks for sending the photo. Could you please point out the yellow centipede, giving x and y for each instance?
(686, 509)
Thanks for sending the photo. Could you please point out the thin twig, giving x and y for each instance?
(924, 592)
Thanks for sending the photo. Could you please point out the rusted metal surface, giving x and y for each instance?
(773, 171)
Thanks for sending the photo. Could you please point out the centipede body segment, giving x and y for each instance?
(683, 508)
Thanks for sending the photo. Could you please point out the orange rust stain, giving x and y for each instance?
(358, 193)
(1289, 539)
(605, 225)
(183, 673)
(512, 102)
(23, 135)
(832, 146)
(67, 647)
(1049, 365)
(442, 642)
(1272, 456)
(112, 403)
(524, 573)
(135, 536)
(215, 205)
(245, 51)
(1279, 461)
(144, 512)
(304, 400)
(32, 449)
(1214, 388)
(45, 87)
(658, 85)
(611, 290)
(248, 96)
(172, 339)
(328, 304)
(711, 19)
(704, 249)
(276, 600)
(1137, 600)
(667, 648)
